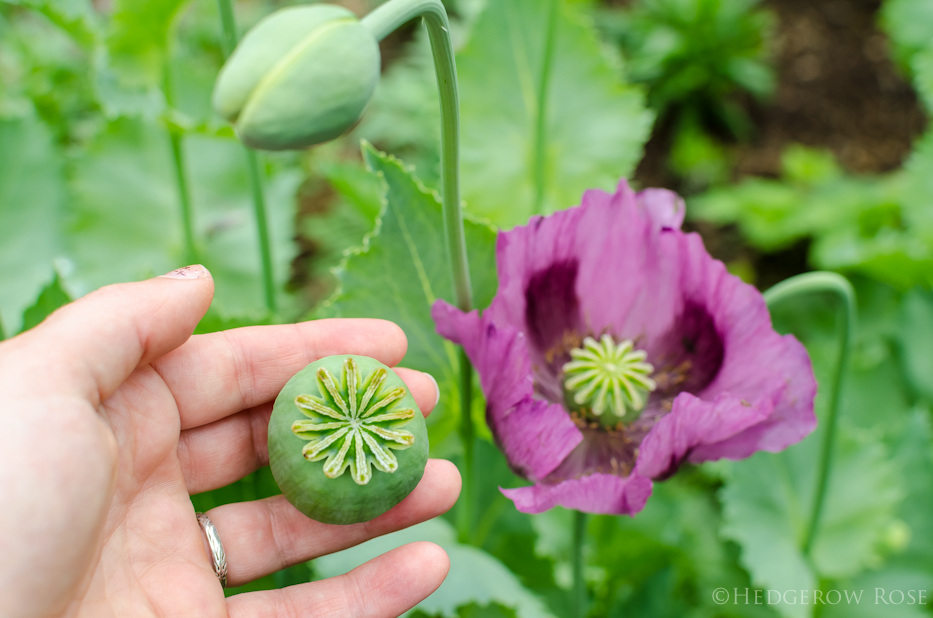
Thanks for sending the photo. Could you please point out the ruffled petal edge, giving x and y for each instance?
(534, 435)
(603, 494)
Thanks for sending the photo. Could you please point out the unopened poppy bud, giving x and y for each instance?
(301, 76)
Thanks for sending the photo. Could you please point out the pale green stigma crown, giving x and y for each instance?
(608, 379)
(352, 434)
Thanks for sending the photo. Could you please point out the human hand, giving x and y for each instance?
(113, 414)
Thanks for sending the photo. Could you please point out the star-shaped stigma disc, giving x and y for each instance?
(354, 424)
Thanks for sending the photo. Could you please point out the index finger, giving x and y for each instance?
(213, 376)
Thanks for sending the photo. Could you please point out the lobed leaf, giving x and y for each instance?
(33, 197)
(53, 296)
(402, 268)
(475, 577)
(594, 127)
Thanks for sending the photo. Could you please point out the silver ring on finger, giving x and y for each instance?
(218, 557)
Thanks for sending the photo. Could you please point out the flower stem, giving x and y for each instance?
(579, 583)
(381, 22)
(801, 285)
(181, 177)
(544, 82)
(465, 512)
(228, 43)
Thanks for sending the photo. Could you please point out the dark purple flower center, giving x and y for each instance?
(685, 359)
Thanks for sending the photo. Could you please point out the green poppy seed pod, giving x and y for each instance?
(301, 76)
(346, 440)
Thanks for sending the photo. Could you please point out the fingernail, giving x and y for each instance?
(195, 271)
(437, 389)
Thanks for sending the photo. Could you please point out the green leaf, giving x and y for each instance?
(32, 202)
(695, 53)
(879, 486)
(51, 298)
(877, 593)
(909, 24)
(139, 37)
(881, 227)
(594, 127)
(475, 576)
(923, 76)
(769, 519)
(913, 546)
(668, 559)
(76, 17)
(402, 268)
(339, 203)
(916, 338)
(215, 321)
(472, 610)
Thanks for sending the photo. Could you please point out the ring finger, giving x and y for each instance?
(265, 536)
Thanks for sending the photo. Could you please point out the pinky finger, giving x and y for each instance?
(385, 587)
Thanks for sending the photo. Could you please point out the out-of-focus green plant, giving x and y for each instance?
(696, 157)
(909, 25)
(881, 227)
(536, 132)
(696, 54)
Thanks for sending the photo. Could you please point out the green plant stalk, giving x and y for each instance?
(381, 22)
(544, 82)
(466, 513)
(181, 177)
(228, 43)
(823, 282)
(578, 604)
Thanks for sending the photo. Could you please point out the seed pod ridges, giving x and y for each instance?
(346, 440)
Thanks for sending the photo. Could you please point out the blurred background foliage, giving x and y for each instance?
(797, 131)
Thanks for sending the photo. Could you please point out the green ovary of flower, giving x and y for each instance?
(360, 424)
(607, 381)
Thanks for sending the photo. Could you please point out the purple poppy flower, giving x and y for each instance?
(616, 349)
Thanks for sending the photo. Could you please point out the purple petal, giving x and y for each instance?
(535, 436)
(755, 365)
(599, 267)
(793, 417)
(756, 361)
(694, 422)
(598, 493)
(664, 208)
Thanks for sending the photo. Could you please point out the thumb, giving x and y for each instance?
(89, 347)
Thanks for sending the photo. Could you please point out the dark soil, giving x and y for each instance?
(837, 89)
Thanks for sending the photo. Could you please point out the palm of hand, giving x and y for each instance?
(134, 424)
(153, 560)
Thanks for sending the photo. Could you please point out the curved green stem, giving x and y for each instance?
(822, 282)
(578, 604)
(381, 22)
(544, 82)
(228, 43)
